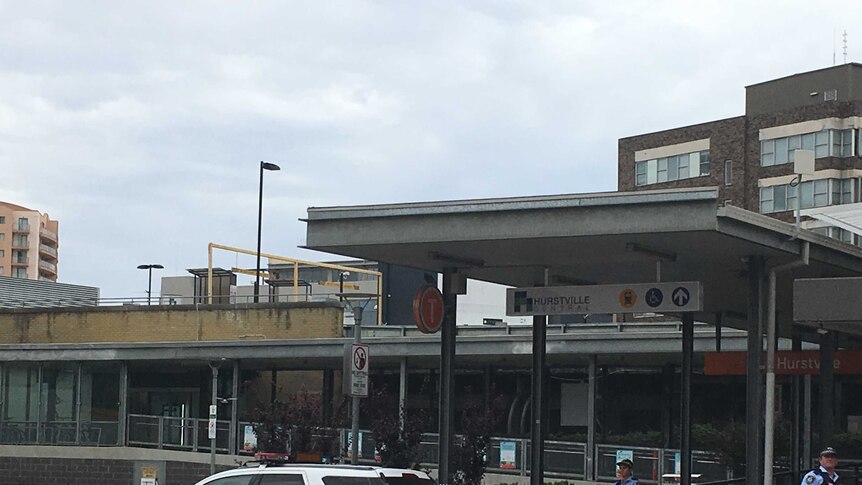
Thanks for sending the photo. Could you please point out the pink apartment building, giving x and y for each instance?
(28, 243)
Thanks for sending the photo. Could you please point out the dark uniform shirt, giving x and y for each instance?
(819, 476)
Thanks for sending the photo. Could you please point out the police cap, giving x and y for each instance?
(829, 451)
(626, 462)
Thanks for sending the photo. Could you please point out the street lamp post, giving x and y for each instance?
(263, 166)
(341, 276)
(356, 302)
(150, 268)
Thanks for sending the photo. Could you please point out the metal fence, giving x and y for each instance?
(85, 433)
(186, 434)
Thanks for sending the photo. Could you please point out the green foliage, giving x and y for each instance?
(848, 444)
(397, 448)
(470, 448)
(293, 426)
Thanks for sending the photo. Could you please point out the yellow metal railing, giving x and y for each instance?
(296, 263)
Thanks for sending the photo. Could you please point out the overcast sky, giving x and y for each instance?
(140, 125)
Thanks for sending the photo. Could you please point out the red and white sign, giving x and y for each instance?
(358, 372)
(428, 309)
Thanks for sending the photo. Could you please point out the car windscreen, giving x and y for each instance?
(336, 480)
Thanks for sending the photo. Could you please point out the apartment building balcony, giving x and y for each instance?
(47, 267)
(20, 263)
(49, 236)
(17, 244)
(48, 252)
(20, 228)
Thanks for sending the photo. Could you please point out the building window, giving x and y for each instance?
(20, 272)
(23, 224)
(2, 219)
(20, 240)
(728, 172)
(825, 143)
(2, 236)
(668, 169)
(813, 193)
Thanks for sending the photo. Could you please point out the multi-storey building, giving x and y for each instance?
(750, 157)
(28, 243)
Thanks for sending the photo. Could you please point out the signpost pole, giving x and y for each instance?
(447, 361)
(354, 428)
(212, 418)
(685, 420)
(537, 404)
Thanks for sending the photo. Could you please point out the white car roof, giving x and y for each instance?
(313, 473)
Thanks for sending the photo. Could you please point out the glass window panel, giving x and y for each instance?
(281, 479)
(847, 143)
(662, 170)
(767, 152)
(651, 171)
(836, 143)
(806, 192)
(704, 163)
(821, 193)
(673, 168)
(794, 142)
(640, 173)
(808, 141)
(683, 167)
(728, 172)
(766, 200)
(781, 151)
(847, 191)
(240, 480)
(779, 198)
(821, 144)
(835, 196)
(693, 163)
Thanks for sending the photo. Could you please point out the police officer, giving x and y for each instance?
(624, 473)
(825, 473)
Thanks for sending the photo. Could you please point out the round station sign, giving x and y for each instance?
(428, 309)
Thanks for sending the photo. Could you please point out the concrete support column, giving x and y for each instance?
(234, 410)
(537, 402)
(123, 413)
(402, 393)
(795, 385)
(451, 287)
(685, 415)
(754, 378)
(827, 389)
(328, 394)
(590, 459)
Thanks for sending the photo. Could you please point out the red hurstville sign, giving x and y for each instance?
(786, 363)
(428, 309)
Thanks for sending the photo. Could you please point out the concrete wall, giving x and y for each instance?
(171, 323)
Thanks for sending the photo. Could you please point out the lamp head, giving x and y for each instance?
(269, 166)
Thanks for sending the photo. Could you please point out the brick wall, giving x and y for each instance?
(735, 139)
(171, 323)
(71, 471)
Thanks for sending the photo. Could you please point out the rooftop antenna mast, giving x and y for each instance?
(833, 47)
(845, 46)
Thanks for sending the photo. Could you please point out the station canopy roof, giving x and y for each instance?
(594, 238)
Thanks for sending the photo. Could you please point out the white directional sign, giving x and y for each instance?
(356, 370)
(686, 296)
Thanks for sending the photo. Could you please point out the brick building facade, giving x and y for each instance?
(749, 157)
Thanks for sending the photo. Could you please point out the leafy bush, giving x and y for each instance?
(397, 448)
(293, 426)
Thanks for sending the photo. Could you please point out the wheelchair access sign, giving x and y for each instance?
(672, 297)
